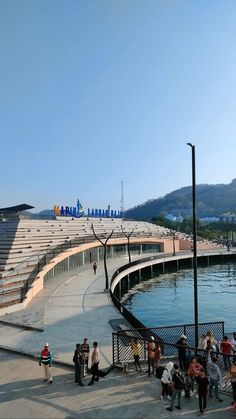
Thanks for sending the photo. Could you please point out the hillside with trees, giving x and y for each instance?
(212, 200)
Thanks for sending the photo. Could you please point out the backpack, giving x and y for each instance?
(181, 383)
(159, 371)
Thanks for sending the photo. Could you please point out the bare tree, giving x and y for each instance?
(104, 244)
(128, 235)
(173, 235)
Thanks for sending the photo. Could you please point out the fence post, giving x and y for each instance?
(113, 355)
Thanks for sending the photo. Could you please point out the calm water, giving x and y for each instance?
(168, 299)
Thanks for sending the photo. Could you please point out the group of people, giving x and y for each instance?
(208, 343)
(80, 360)
(173, 382)
(204, 373)
(154, 354)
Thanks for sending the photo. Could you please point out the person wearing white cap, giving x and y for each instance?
(46, 359)
(182, 348)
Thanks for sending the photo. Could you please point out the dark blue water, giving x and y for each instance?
(169, 299)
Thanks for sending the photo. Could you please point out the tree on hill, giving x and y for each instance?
(211, 200)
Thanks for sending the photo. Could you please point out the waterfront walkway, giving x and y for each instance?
(73, 306)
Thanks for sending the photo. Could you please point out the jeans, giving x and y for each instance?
(214, 383)
(176, 392)
(136, 362)
(226, 360)
(150, 365)
(78, 373)
(95, 371)
(233, 384)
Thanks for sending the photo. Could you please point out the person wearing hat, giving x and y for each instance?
(151, 355)
(182, 350)
(46, 359)
(78, 360)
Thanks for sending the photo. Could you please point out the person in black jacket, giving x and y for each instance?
(78, 360)
(182, 350)
(179, 384)
(202, 389)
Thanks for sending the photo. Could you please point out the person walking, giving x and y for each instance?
(214, 375)
(78, 360)
(45, 358)
(179, 385)
(95, 268)
(95, 363)
(151, 355)
(136, 348)
(166, 381)
(202, 389)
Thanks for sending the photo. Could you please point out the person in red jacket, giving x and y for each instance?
(193, 371)
(226, 347)
(46, 359)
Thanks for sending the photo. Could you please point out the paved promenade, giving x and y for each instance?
(73, 306)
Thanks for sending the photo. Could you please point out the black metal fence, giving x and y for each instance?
(122, 347)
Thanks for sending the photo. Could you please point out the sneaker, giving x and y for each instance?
(162, 397)
(91, 383)
(81, 384)
(96, 379)
(168, 397)
(220, 400)
(45, 380)
(169, 408)
(178, 407)
(50, 381)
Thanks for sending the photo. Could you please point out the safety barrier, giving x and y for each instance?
(123, 357)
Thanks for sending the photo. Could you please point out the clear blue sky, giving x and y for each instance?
(93, 92)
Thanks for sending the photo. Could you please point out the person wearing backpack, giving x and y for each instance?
(179, 384)
(166, 381)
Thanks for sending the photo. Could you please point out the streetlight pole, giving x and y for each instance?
(194, 243)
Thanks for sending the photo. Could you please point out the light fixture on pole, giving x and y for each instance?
(194, 243)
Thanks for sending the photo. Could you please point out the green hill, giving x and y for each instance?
(211, 200)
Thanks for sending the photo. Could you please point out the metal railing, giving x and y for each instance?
(123, 356)
(37, 261)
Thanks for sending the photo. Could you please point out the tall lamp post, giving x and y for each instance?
(194, 243)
